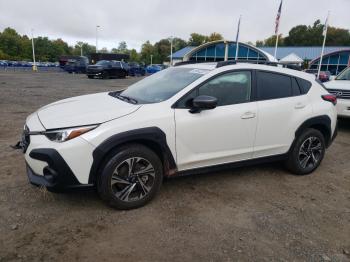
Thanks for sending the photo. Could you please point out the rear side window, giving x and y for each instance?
(304, 85)
(273, 86)
(295, 87)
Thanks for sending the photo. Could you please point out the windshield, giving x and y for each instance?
(345, 75)
(162, 85)
(102, 62)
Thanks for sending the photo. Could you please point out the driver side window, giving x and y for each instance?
(230, 88)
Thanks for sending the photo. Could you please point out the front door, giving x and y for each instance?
(221, 135)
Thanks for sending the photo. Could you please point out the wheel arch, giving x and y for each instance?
(151, 137)
(320, 123)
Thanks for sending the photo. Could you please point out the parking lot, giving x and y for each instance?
(259, 213)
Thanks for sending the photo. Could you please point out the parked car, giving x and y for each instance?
(183, 120)
(136, 69)
(340, 87)
(3, 63)
(77, 65)
(151, 69)
(323, 77)
(107, 69)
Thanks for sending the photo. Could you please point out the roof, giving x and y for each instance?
(304, 52)
(292, 58)
(193, 50)
(182, 52)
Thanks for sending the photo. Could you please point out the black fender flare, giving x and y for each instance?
(323, 121)
(146, 135)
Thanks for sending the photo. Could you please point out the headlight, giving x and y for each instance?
(63, 135)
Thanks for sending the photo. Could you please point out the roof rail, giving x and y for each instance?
(226, 63)
(260, 62)
(233, 62)
(189, 63)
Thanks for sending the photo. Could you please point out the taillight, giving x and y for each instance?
(330, 98)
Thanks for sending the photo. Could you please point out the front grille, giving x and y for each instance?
(344, 94)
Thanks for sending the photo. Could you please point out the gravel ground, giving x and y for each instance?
(259, 213)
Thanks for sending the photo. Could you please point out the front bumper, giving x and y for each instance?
(56, 174)
(94, 73)
(52, 164)
(343, 107)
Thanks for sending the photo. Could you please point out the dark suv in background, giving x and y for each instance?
(107, 69)
(136, 69)
(76, 65)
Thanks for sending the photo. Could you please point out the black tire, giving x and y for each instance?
(90, 77)
(304, 159)
(116, 168)
(105, 75)
(123, 74)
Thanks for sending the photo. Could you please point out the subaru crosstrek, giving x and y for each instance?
(186, 119)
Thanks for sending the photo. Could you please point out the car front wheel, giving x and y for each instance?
(130, 178)
(307, 152)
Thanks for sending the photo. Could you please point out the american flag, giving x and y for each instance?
(277, 22)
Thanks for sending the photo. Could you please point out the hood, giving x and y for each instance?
(84, 110)
(338, 84)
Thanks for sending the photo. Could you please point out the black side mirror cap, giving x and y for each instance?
(203, 103)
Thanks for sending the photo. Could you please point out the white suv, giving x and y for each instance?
(187, 119)
(340, 87)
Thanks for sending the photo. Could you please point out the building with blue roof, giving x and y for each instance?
(335, 59)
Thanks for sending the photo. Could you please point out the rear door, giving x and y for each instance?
(282, 108)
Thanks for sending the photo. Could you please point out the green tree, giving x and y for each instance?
(271, 41)
(147, 50)
(134, 56)
(178, 44)
(123, 48)
(303, 35)
(214, 37)
(197, 39)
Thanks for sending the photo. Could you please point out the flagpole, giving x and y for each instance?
(276, 46)
(324, 43)
(237, 37)
(277, 27)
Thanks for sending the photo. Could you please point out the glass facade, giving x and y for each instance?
(216, 52)
(334, 62)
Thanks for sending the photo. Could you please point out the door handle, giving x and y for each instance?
(299, 106)
(248, 115)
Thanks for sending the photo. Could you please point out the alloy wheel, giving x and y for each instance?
(133, 179)
(310, 152)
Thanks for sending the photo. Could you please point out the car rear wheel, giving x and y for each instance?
(307, 152)
(130, 178)
(91, 77)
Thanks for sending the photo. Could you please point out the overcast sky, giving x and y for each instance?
(136, 21)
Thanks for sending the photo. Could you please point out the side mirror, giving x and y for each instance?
(203, 103)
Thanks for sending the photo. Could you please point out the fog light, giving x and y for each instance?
(49, 174)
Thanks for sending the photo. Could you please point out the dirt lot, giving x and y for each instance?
(260, 213)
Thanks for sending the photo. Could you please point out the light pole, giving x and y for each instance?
(34, 64)
(81, 49)
(151, 59)
(97, 27)
(171, 50)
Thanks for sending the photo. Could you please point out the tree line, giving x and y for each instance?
(14, 46)
(303, 35)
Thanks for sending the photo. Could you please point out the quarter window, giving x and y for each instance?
(273, 86)
(230, 88)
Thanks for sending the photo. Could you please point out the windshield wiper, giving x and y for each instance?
(126, 99)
